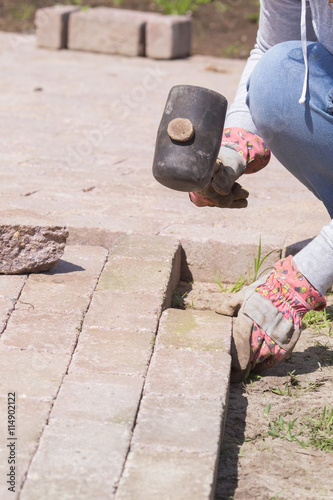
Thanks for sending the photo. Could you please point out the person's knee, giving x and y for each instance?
(275, 82)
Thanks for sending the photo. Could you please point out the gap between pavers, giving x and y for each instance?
(102, 388)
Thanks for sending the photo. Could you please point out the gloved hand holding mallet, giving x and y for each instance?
(267, 314)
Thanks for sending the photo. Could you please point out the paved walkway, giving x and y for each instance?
(113, 398)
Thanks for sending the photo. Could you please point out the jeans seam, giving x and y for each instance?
(330, 103)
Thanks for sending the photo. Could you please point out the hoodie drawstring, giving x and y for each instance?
(305, 54)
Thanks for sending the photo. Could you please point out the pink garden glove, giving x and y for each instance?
(241, 152)
(268, 318)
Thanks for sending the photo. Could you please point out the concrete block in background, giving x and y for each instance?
(112, 31)
(52, 26)
(168, 37)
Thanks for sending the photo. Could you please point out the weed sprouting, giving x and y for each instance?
(251, 277)
(315, 431)
(179, 295)
(294, 388)
(320, 321)
(179, 7)
(320, 430)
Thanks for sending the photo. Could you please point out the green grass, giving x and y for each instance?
(252, 275)
(319, 321)
(315, 431)
(179, 7)
(24, 12)
(294, 388)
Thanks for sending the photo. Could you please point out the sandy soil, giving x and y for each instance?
(254, 465)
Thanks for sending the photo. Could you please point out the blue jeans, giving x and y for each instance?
(299, 135)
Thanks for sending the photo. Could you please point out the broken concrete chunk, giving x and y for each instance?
(28, 243)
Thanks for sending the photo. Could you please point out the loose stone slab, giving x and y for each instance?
(29, 243)
(168, 37)
(112, 31)
(52, 26)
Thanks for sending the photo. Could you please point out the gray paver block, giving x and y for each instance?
(168, 475)
(113, 31)
(193, 373)
(227, 258)
(10, 289)
(32, 373)
(129, 275)
(145, 247)
(112, 351)
(52, 25)
(192, 329)
(79, 261)
(31, 416)
(138, 312)
(168, 37)
(11, 286)
(191, 359)
(100, 398)
(80, 461)
(41, 295)
(143, 276)
(182, 424)
(29, 329)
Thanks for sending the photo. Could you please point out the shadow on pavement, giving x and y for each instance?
(233, 439)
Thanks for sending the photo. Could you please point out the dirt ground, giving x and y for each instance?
(222, 29)
(253, 464)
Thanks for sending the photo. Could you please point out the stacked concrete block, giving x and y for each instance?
(114, 31)
(111, 31)
(52, 26)
(168, 37)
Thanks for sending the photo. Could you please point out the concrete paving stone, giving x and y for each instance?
(52, 26)
(221, 257)
(168, 37)
(191, 329)
(118, 310)
(129, 275)
(80, 260)
(6, 307)
(96, 397)
(112, 31)
(10, 289)
(182, 424)
(77, 467)
(112, 351)
(11, 286)
(191, 373)
(31, 416)
(168, 475)
(145, 247)
(40, 330)
(41, 295)
(32, 373)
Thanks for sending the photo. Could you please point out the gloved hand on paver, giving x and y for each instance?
(268, 318)
(241, 152)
